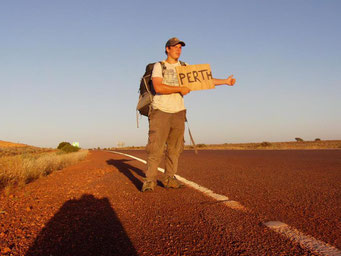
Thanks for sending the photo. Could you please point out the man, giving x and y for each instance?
(167, 118)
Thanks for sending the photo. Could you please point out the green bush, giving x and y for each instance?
(68, 148)
(62, 144)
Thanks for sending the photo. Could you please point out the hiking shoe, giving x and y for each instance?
(171, 182)
(148, 186)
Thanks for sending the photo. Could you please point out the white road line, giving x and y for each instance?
(229, 203)
(305, 241)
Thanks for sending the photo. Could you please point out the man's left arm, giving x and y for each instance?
(228, 81)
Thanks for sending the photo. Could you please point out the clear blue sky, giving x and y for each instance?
(70, 70)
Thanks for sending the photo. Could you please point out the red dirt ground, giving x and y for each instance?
(96, 208)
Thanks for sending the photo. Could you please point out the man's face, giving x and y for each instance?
(174, 51)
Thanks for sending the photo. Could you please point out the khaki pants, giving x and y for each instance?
(165, 129)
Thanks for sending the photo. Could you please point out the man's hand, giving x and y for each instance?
(230, 80)
(184, 90)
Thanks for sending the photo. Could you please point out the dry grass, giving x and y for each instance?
(23, 168)
(7, 144)
(13, 151)
(327, 144)
(323, 144)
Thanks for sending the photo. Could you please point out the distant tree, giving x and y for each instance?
(299, 139)
(68, 148)
(62, 144)
(317, 139)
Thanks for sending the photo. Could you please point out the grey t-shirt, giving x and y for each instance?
(170, 103)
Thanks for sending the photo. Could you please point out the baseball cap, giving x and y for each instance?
(174, 41)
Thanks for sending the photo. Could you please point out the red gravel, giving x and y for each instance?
(96, 208)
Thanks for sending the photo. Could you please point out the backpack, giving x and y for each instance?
(146, 91)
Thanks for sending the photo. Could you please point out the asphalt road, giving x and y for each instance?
(96, 208)
(301, 188)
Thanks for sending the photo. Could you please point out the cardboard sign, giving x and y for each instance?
(195, 77)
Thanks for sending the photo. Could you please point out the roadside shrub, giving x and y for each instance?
(68, 148)
(62, 144)
(317, 139)
(299, 139)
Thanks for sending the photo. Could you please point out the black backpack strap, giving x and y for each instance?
(163, 67)
(182, 63)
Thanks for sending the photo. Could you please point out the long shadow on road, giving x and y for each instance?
(127, 170)
(88, 226)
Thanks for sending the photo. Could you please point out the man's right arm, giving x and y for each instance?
(161, 88)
